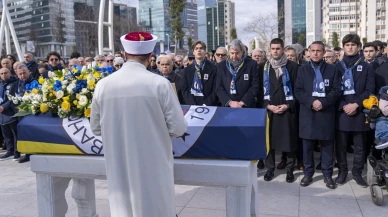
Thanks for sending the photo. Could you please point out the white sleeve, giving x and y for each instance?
(172, 110)
(95, 113)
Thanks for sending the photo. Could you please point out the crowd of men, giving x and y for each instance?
(314, 96)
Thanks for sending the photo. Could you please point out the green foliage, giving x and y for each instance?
(189, 42)
(335, 40)
(176, 8)
(301, 39)
(233, 33)
(253, 44)
(364, 40)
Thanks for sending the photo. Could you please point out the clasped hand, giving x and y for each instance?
(277, 109)
(350, 109)
(236, 104)
(317, 105)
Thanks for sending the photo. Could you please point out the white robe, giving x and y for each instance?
(137, 112)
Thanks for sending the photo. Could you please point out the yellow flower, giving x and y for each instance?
(85, 76)
(75, 102)
(91, 83)
(34, 91)
(41, 80)
(61, 78)
(51, 94)
(87, 112)
(65, 106)
(96, 75)
(55, 100)
(50, 87)
(74, 70)
(44, 108)
(66, 98)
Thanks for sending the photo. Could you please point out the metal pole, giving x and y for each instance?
(101, 27)
(2, 25)
(7, 40)
(110, 21)
(168, 42)
(14, 37)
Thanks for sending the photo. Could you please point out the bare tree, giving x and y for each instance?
(265, 27)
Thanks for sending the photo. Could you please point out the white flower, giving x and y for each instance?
(64, 82)
(84, 90)
(50, 74)
(26, 98)
(64, 71)
(44, 88)
(15, 101)
(83, 100)
(70, 88)
(59, 94)
(74, 82)
(83, 69)
(37, 98)
(93, 64)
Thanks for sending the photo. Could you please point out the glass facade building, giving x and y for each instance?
(202, 18)
(299, 21)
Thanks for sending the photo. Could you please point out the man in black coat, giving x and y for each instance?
(32, 65)
(358, 83)
(8, 123)
(278, 81)
(317, 88)
(199, 79)
(237, 81)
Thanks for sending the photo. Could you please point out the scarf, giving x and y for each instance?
(319, 85)
(347, 81)
(196, 87)
(28, 65)
(21, 87)
(234, 67)
(285, 79)
(277, 65)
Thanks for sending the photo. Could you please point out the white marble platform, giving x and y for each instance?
(276, 198)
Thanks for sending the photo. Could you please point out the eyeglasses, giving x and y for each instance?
(119, 66)
(109, 61)
(191, 58)
(54, 59)
(220, 54)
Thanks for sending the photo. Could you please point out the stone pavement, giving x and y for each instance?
(276, 198)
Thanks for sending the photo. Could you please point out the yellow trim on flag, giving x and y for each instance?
(29, 147)
(267, 133)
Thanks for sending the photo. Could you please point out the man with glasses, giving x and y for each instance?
(53, 60)
(221, 54)
(199, 79)
(152, 67)
(109, 60)
(330, 57)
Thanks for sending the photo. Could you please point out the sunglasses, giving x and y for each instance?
(54, 60)
(220, 55)
(119, 65)
(109, 61)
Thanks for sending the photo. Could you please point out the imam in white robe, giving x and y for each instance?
(137, 112)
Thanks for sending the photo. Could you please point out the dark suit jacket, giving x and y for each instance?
(247, 83)
(312, 124)
(208, 76)
(364, 85)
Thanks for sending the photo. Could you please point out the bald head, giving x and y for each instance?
(5, 74)
(6, 63)
(73, 62)
(16, 64)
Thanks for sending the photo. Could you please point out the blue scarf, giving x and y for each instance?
(196, 86)
(347, 81)
(319, 85)
(233, 68)
(28, 65)
(285, 79)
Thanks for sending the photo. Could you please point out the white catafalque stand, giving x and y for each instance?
(53, 174)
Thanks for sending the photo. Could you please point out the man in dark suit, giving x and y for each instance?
(317, 88)
(237, 81)
(199, 79)
(358, 82)
(278, 81)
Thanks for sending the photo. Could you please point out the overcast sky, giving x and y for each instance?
(244, 10)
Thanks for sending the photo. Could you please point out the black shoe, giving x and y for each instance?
(316, 148)
(330, 183)
(300, 166)
(24, 159)
(360, 181)
(269, 175)
(350, 149)
(290, 178)
(341, 178)
(306, 181)
(260, 165)
(282, 164)
(319, 166)
(6, 156)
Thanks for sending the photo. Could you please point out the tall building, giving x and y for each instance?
(48, 25)
(220, 22)
(313, 21)
(373, 20)
(202, 22)
(190, 22)
(292, 21)
(342, 17)
(154, 15)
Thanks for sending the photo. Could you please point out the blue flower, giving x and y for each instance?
(33, 85)
(79, 85)
(107, 69)
(57, 85)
